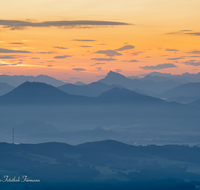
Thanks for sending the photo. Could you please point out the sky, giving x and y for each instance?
(82, 40)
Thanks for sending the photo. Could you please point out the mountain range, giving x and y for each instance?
(151, 87)
(16, 80)
(91, 90)
(184, 93)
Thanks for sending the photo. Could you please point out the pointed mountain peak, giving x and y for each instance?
(79, 83)
(112, 73)
(35, 90)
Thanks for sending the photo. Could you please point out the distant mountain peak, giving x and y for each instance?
(79, 83)
(112, 73)
(120, 93)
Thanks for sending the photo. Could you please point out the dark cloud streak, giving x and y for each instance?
(19, 24)
(2, 50)
(159, 66)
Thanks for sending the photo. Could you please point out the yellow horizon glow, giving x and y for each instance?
(151, 22)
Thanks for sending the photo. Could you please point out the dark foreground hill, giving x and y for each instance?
(99, 165)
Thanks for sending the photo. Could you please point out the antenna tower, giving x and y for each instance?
(13, 136)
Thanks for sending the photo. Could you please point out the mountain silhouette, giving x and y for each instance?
(92, 90)
(146, 85)
(5, 88)
(16, 80)
(79, 83)
(128, 96)
(184, 93)
(37, 92)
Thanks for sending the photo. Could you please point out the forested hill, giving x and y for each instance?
(101, 164)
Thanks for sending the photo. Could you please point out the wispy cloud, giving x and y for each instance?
(85, 46)
(171, 49)
(118, 70)
(99, 68)
(20, 24)
(194, 52)
(103, 59)
(74, 78)
(133, 60)
(193, 33)
(8, 57)
(180, 32)
(34, 58)
(126, 48)
(175, 58)
(2, 50)
(83, 40)
(186, 32)
(110, 53)
(79, 69)
(99, 63)
(159, 66)
(17, 43)
(136, 53)
(58, 47)
(62, 56)
(192, 62)
(19, 64)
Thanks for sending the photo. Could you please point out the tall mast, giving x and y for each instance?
(13, 136)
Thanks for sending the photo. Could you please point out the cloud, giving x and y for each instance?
(194, 34)
(2, 50)
(126, 48)
(99, 63)
(46, 52)
(58, 47)
(73, 78)
(194, 52)
(51, 61)
(85, 46)
(133, 60)
(8, 57)
(118, 70)
(186, 32)
(62, 57)
(99, 68)
(101, 76)
(78, 69)
(109, 53)
(192, 62)
(103, 59)
(180, 32)
(175, 58)
(49, 65)
(34, 58)
(171, 49)
(159, 66)
(19, 24)
(18, 43)
(148, 57)
(136, 53)
(83, 40)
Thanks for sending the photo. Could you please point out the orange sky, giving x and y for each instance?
(154, 35)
